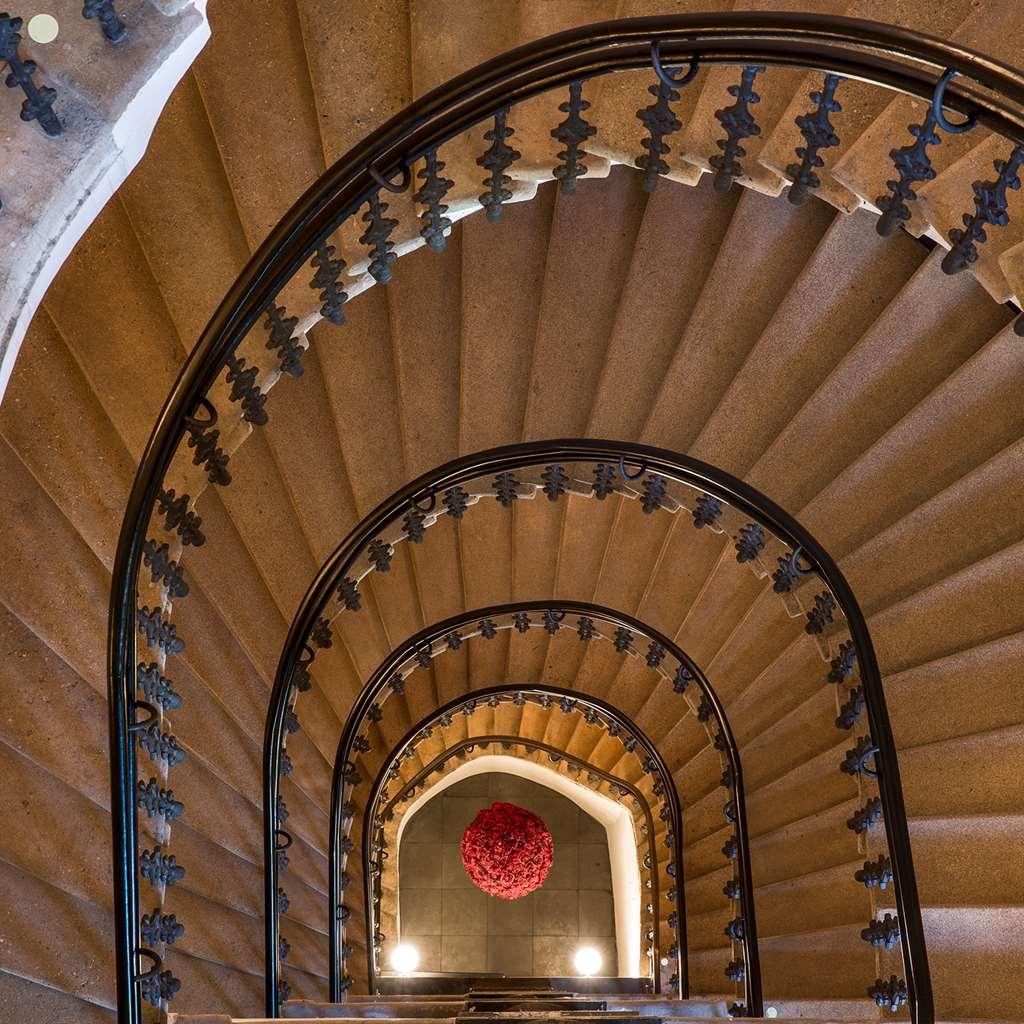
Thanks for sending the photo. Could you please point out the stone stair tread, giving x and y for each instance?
(674, 375)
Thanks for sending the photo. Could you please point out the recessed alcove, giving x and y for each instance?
(457, 928)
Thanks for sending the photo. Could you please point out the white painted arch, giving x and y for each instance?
(617, 822)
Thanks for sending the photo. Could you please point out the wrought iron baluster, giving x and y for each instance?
(556, 482)
(204, 437)
(660, 121)
(434, 188)
(497, 159)
(284, 340)
(891, 994)
(818, 134)
(327, 280)
(157, 631)
(572, 133)
(158, 927)
(739, 124)
(179, 518)
(990, 207)
(707, 511)
(157, 688)
(103, 10)
(246, 391)
(912, 165)
(882, 933)
(378, 237)
(39, 99)
(875, 874)
(163, 569)
(751, 542)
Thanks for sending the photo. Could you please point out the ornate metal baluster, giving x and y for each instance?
(912, 165)
(739, 124)
(244, 389)
(455, 501)
(113, 27)
(891, 994)
(327, 280)
(380, 554)
(818, 134)
(39, 99)
(159, 868)
(660, 121)
(821, 614)
(180, 519)
(855, 760)
(348, 594)
(751, 542)
(283, 340)
(163, 569)
(378, 237)
(989, 208)
(655, 489)
(158, 927)
(497, 159)
(842, 665)
(556, 482)
(875, 873)
(572, 133)
(159, 987)
(158, 802)
(604, 480)
(161, 746)
(204, 438)
(707, 512)
(849, 713)
(157, 688)
(430, 194)
(884, 933)
(866, 816)
(157, 631)
(505, 487)
(682, 679)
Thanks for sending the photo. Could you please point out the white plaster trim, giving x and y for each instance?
(113, 152)
(618, 824)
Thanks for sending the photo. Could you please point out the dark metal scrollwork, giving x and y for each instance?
(572, 133)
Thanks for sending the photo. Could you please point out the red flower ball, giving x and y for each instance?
(507, 851)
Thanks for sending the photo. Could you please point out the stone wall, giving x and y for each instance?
(458, 928)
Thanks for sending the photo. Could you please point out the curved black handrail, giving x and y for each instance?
(850, 47)
(424, 640)
(612, 714)
(674, 467)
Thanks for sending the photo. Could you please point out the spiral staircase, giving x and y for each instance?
(845, 374)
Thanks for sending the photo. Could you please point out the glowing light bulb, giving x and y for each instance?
(405, 959)
(588, 961)
(771, 1011)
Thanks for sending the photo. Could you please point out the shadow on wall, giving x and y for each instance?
(457, 928)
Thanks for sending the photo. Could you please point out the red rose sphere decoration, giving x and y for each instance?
(507, 851)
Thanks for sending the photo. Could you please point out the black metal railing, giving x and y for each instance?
(887, 56)
(714, 500)
(625, 633)
(600, 714)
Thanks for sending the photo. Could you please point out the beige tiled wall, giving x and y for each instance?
(458, 928)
